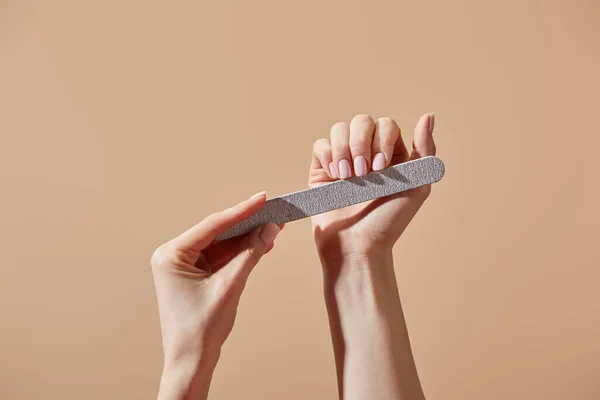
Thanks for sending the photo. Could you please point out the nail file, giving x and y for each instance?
(342, 193)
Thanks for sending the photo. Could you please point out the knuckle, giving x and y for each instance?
(210, 218)
(221, 286)
(389, 141)
(163, 256)
(253, 254)
(386, 122)
(319, 143)
(211, 221)
(360, 147)
(362, 119)
(339, 126)
(389, 136)
(219, 283)
(325, 155)
(339, 150)
(360, 141)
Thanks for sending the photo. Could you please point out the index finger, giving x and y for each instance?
(202, 234)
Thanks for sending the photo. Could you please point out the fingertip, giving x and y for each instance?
(422, 124)
(332, 171)
(379, 162)
(423, 143)
(426, 123)
(360, 166)
(431, 122)
(345, 170)
(259, 196)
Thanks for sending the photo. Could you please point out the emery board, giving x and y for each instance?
(342, 193)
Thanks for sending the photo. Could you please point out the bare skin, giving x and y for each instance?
(199, 282)
(371, 345)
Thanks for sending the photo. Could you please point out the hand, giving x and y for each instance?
(199, 283)
(357, 148)
(369, 335)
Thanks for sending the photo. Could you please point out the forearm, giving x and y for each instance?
(372, 349)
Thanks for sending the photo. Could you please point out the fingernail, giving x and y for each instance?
(259, 194)
(345, 171)
(431, 122)
(268, 233)
(332, 170)
(378, 162)
(360, 165)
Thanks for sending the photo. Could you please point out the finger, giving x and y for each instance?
(269, 248)
(362, 128)
(222, 251)
(423, 143)
(322, 157)
(388, 146)
(253, 248)
(201, 235)
(340, 137)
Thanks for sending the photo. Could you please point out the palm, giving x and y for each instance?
(377, 221)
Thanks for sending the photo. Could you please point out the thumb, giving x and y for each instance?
(256, 244)
(423, 143)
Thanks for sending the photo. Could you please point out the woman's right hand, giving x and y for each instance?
(199, 283)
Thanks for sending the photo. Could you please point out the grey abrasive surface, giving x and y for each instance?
(305, 203)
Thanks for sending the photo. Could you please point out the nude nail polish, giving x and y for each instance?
(268, 233)
(431, 122)
(360, 166)
(344, 169)
(333, 170)
(259, 194)
(378, 162)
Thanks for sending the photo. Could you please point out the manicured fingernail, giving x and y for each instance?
(360, 165)
(344, 169)
(268, 233)
(332, 170)
(431, 122)
(378, 162)
(259, 194)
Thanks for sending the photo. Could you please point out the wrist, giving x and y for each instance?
(339, 263)
(361, 283)
(187, 375)
(335, 247)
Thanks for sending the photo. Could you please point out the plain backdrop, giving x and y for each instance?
(125, 122)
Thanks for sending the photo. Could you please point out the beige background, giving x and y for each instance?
(125, 122)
